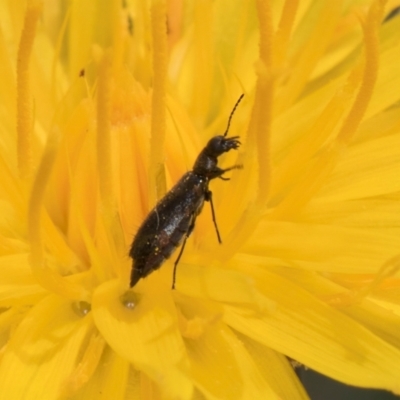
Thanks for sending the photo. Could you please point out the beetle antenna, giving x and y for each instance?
(232, 112)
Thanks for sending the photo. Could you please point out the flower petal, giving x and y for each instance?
(222, 285)
(146, 335)
(275, 368)
(366, 170)
(42, 352)
(317, 335)
(323, 247)
(110, 380)
(17, 285)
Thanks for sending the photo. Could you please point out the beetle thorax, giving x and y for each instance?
(205, 164)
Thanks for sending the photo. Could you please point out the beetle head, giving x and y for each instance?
(220, 144)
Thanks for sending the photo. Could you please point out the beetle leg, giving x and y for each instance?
(208, 197)
(218, 172)
(189, 231)
(176, 262)
(238, 166)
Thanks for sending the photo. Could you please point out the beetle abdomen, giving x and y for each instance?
(152, 250)
(166, 226)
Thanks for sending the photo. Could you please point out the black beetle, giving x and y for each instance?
(172, 219)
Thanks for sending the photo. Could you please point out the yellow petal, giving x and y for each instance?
(146, 335)
(367, 170)
(275, 368)
(111, 380)
(17, 285)
(323, 247)
(318, 336)
(43, 351)
(222, 285)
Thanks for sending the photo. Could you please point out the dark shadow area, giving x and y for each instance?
(319, 387)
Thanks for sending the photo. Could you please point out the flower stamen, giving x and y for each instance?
(158, 115)
(103, 134)
(370, 28)
(262, 114)
(111, 222)
(259, 128)
(259, 134)
(284, 31)
(24, 97)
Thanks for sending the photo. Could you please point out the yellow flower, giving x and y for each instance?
(103, 109)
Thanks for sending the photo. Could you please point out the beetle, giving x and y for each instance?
(172, 220)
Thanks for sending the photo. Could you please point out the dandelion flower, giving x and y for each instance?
(105, 107)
